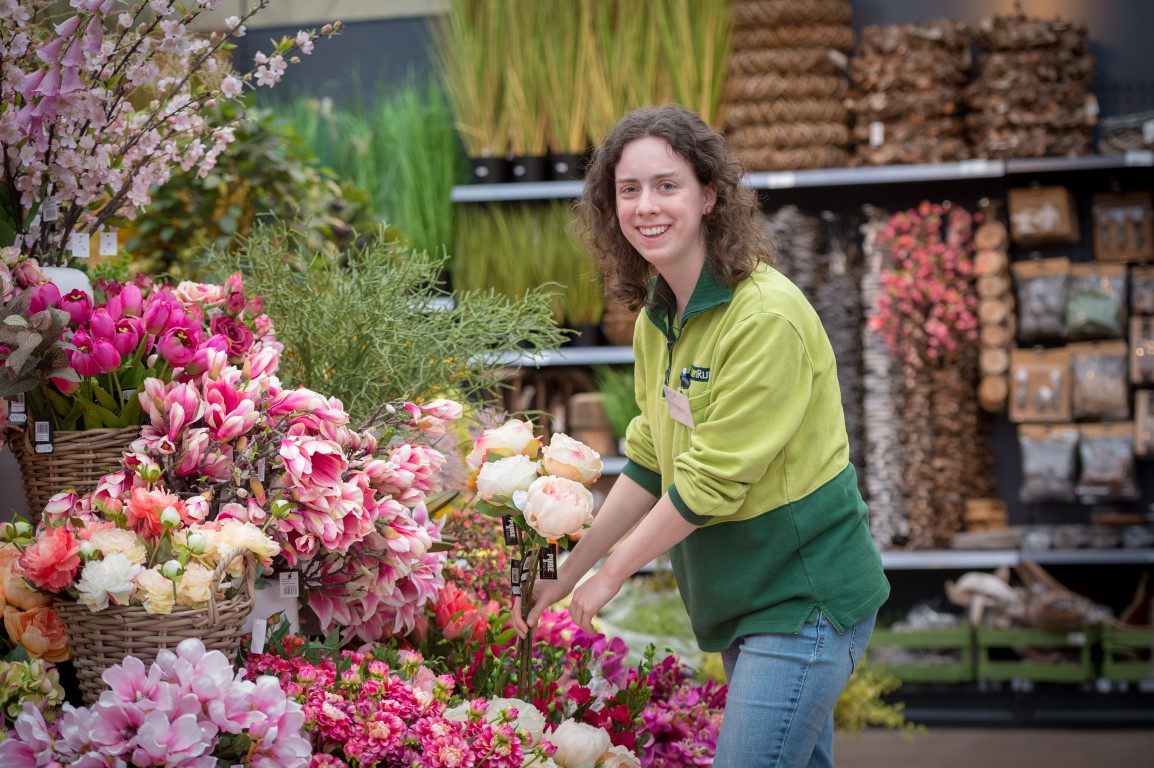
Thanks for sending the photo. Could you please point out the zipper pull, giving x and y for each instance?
(685, 378)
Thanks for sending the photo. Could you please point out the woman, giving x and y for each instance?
(739, 462)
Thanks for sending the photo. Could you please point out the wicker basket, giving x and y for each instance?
(102, 639)
(78, 460)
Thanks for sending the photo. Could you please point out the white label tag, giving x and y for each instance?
(49, 209)
(289, 584)
(81, 246)
(261, 469)
(679, 408)
(17, 411)
(1148, 131)
(108, 243)
(1139, 157)
(877, 133)
(259, 633)
(979, 167)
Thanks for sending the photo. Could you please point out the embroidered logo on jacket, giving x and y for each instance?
(697, 373)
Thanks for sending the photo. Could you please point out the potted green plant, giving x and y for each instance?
(526, 83)
(618, 399)
(696, 41)
(567, 88)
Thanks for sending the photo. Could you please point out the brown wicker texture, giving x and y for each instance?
(78, 460)
(774, 86)
(770, 159)
(836, 36)
(771, 13)
(790, 135)
(812, 61)
(741, 113)
(100, 640)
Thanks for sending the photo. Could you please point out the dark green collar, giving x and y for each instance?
(707, 294)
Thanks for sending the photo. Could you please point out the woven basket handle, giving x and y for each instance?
(247, 585)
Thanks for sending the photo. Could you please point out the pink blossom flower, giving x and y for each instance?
(52, 561)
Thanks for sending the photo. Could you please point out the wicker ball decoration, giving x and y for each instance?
(102, 639)
(78, 460)
(773, 13)
(756, 113)
(813, 61)
(793, 159)
(835, 36)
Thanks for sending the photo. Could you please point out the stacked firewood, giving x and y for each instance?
(782, 101)
(1031, 95)
(995, 313)
(906, 93)
(797, 241)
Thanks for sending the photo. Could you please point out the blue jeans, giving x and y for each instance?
(782, 690)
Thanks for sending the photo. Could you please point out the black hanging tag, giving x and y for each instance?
(42, 436)
(17, 411)
(549, 561)
(515, 577)
(512, 533)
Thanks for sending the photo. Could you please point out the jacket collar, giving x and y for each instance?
(707, 294)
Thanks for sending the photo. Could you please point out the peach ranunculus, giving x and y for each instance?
(511, 438)
(14, 590)
(556, 507)
(40, 632)
(566, 457)
(52, 561)
(144, 508)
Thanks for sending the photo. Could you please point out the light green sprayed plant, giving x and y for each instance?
(471, 43)
(370, 327)
(618, 398)
(695, 39)
(566, 93)
(572, 268)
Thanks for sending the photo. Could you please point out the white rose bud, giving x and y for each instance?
(23, 528)
(87, 551)
(499, 480)
(196, 543)
(556, 507)
(170, 518)
(172, 570)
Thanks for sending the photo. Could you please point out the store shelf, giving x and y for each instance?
(982, 559)
(612, 465)
(566, 356)
(837, 177)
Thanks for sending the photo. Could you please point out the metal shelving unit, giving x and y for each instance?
(566, 356)
(984, 559)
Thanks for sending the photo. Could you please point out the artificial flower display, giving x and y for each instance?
(22, 683)
(29, 619)
(190, 708)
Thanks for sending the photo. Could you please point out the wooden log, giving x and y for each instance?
(994, 361)
(991, 262)
(992, 393)
(995, 335)
(993, 311)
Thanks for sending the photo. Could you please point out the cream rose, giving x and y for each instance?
(529, 718)
(154, 591)
(511, 438)
(557, 506)
(194, 586)
(566, 457)
(235, 534)
(499, 480)
(579, 745)
(119, 541)
(618, 757)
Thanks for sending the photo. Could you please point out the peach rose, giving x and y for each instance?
(557, 506)
(39, 630)
(566, 457)
(52, 561)
(511, 438)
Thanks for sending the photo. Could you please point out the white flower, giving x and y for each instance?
(618, 757)
(231, 86)
(499, 480)
(111, 577)
(156, 593)
(557, 506)
(235, 534)
(566, 457)
(120, 541)
(529, 718)
(579, 745)
(194, 586)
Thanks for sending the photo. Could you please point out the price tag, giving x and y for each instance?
(1076, 638)
(259, 634)
(49, 209)
(42, 436)
(549, 561)
(978, 167)
(127, 394)
(509, 528)
(81, 245)
(17, 411)
(109, 243)
(289, 584)
(1148, 131)
(515, 577)
(1139, 157)
(781, 180)
(877, 133)
(261, 467)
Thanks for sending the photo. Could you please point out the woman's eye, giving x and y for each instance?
(666, 185)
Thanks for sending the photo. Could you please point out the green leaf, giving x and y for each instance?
(485, 508)
(105, 399)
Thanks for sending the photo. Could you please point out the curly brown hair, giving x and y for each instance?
(735, 241)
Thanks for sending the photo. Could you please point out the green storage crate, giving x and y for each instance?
(959, 640)
(1076, 665)
(1126, 655)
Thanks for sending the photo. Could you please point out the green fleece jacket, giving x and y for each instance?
(764, 471)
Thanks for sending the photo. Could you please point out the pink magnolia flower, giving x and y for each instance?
(229, 413)
(312, 464)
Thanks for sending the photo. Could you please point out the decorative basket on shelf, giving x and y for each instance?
(78, 460)
(102, 639)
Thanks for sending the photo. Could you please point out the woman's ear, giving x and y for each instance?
(710, 193)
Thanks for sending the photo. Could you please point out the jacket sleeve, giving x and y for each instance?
(642, 465)
(763, 385)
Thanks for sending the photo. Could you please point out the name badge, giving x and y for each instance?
(679, 407)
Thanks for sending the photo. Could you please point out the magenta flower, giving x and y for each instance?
(236, 333)
(128, 333)
(229, 413)
(92, 356)
(78, 305)
(178, 345)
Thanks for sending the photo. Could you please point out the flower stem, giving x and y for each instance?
(525, 644)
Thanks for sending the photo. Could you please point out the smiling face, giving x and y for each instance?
(660, 205)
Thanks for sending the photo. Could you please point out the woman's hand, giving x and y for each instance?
(591, 597)
(546, 592)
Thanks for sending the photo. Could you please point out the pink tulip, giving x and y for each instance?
(127, 301)
(43, 295)
(177, 346)
(92, 357)
(160, 315)
(129, 332)
(78, 305)
(101, 324)
(66, 387)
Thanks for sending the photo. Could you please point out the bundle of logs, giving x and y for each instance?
(1031, 94)
(906, 93)
(782, 101)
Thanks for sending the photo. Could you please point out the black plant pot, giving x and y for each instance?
(567, 166)
(586, 336)
(488, 170)
(529, 168)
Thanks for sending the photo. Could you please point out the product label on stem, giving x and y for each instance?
(549, 561)
(512, 534)
(42, 436)
(17, 411)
